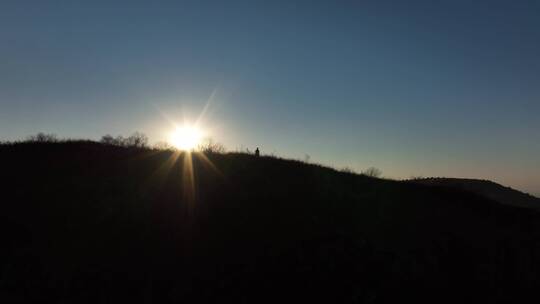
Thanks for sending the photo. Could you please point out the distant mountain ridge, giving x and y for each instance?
(489, 189)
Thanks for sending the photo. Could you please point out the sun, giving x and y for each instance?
(186, 138)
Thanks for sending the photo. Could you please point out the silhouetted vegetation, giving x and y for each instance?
(208, 145)
(136, 140)
(372, 172)
(348, 170)
(163, 145)
(42, 138)
(87, 222)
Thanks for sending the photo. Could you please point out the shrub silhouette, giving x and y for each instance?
(208, 145)
(348, 170)
(372, 172)
(108, 140)
(42, 138)
(136, 140)
(163, 145)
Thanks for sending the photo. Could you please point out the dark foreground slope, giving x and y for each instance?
(87, 223)
(489, 189)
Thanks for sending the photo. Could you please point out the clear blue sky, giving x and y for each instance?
(431, 88)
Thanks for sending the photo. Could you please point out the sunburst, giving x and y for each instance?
(186, 137)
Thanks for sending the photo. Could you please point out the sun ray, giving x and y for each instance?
(206, 107)
(188, 182)
(160, 175)
(208, 163)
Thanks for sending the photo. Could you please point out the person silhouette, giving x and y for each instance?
(257, 151)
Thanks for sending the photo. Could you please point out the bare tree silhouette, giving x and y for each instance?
(42, 138)
(372, 172)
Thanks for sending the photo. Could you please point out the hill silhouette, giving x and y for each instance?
(489, 189)
(93, 223)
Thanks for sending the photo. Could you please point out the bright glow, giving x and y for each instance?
(186, 138)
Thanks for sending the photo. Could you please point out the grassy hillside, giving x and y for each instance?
(86, 222)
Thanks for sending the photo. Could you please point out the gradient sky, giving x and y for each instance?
(415, 88)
